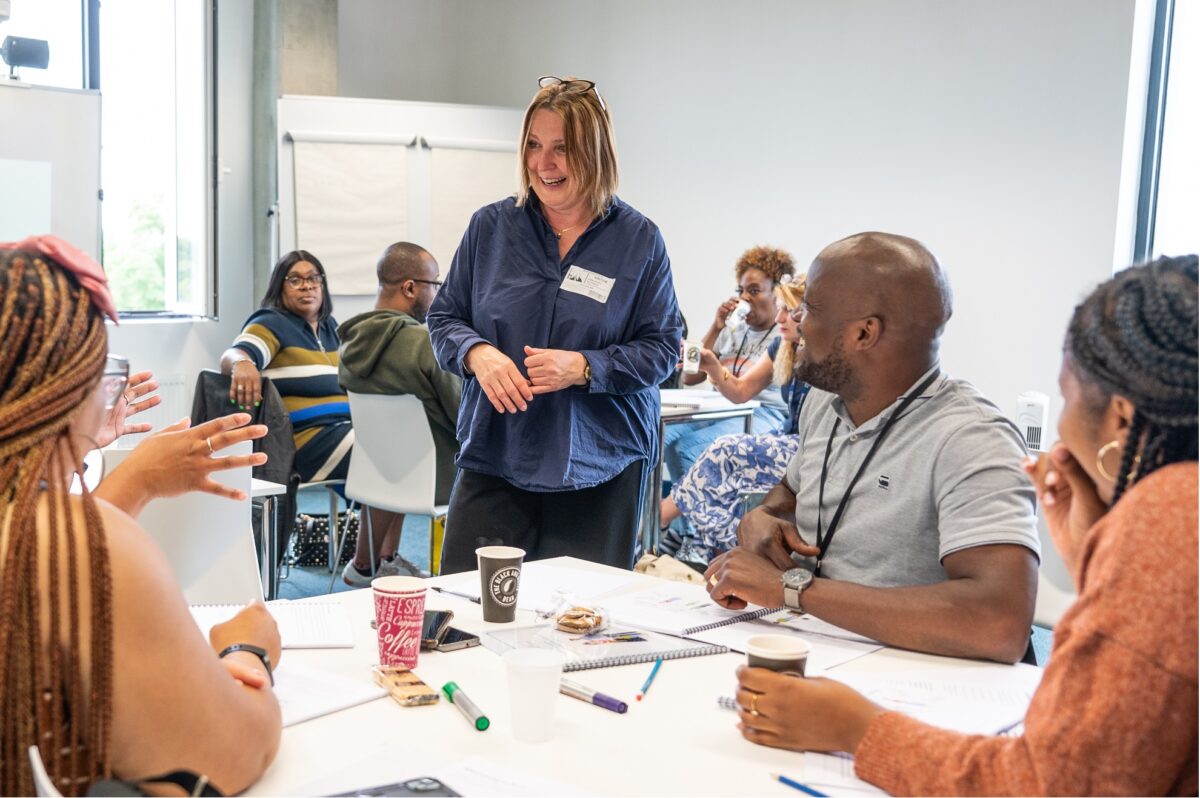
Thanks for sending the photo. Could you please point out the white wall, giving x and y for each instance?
(183, 348)
(991, 131)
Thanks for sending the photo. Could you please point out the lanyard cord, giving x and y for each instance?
(823, 540)
(737, 367)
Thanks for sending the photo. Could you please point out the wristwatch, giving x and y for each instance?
(795, 581)
(257, 651)
(587, 372)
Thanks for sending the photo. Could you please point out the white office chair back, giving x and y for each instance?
(41, 779)
(208, 540)
(1056, 590)
(394, 464)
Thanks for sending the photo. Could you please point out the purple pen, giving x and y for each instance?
(576, 690)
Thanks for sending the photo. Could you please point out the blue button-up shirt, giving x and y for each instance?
(503, 288)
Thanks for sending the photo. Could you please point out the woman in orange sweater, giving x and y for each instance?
(1116, 712)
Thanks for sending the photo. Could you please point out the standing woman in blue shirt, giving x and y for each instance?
(560, 315)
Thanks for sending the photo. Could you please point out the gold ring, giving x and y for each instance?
(211, 451)
(712, 580)
(754, 704)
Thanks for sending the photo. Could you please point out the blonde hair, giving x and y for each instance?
(55, 682)
(791, 294)
(588, 133)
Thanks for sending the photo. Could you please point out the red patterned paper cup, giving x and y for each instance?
(399, 611)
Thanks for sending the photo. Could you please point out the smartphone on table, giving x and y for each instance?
(434, 627)
(454, 639)
(422, 786)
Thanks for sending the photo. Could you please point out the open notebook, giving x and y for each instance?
(307, 624)
(614, 646)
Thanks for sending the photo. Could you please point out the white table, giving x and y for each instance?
(676, 742)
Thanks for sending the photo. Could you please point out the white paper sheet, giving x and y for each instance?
(462, 182)
(351, 203)
(301, 625)
(305, 692)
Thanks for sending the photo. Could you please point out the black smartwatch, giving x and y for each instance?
(257, 651)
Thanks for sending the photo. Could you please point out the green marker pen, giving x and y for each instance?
(466, 706)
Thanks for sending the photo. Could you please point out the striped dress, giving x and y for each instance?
(304, 368)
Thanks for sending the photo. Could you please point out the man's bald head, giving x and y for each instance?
(406, 274)
(403, 261)
(893, 277)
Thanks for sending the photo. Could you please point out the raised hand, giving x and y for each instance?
(180, 458)
(129, 404)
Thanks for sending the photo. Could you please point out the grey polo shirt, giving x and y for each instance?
(947, 477)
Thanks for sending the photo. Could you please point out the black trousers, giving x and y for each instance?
(599, 524)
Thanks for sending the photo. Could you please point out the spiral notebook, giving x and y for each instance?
(302, 624)
(614, 646)
(677, 608)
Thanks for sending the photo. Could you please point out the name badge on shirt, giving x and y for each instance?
(589, 284)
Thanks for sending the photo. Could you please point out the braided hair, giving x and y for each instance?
(55, 674)
(1135, 336)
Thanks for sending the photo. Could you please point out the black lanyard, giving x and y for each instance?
(824, 539)
(737, 367)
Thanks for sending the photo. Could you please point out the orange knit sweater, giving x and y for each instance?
(1116, 712)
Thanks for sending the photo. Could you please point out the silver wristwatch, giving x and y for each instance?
(795, 581)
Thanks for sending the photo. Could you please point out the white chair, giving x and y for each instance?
(393, 465)
(41, 779)
(208, 540)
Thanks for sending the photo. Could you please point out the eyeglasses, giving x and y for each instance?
(572, 86)
(116, 377)
(295, 280)
(435, 283)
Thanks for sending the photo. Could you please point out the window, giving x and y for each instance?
(1169, 194)
(60, 24)
(1178, 203)
(156, 80)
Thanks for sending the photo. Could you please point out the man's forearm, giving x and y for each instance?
(952, 618)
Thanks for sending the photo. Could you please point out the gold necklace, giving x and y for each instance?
(559, 233)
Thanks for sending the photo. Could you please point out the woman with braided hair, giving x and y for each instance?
(1116, 711)
(101, 665)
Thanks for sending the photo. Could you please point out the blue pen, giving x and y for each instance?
(804, 788)
(650, 678)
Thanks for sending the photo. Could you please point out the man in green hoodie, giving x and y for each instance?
(387, 351)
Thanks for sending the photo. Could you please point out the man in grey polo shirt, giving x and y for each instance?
(913, 522)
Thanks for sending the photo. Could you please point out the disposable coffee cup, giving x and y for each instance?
(780, 653)
(499, 578)
(691, 357)
(399, 612)
(533, 680)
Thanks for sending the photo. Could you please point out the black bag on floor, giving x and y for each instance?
(311, 539)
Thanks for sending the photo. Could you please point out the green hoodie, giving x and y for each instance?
(386, 351)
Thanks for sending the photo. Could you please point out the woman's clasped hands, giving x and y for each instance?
(509, 390)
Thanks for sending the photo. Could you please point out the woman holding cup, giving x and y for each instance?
(1116, 711)
(744, 327)
(559, 313)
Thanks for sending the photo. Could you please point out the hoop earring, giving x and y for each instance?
(1105, 449)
